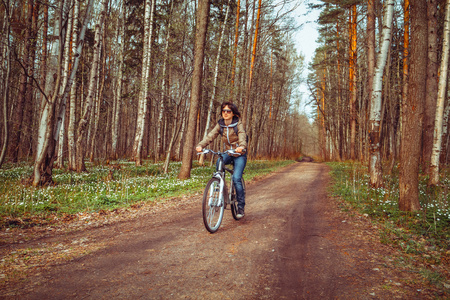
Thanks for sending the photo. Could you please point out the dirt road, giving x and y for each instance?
(291, 245)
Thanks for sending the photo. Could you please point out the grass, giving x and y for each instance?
(422, 236)
(95, 190)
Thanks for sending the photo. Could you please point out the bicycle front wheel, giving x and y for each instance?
(212, 207)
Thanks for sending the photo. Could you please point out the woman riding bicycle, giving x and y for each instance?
(233, 137)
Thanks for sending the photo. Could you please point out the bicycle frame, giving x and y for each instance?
(225, 196)
(221, 173)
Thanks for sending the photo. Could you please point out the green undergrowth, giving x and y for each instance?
(422, 235)
(103, 187)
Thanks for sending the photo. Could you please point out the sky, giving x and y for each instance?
(306, 44)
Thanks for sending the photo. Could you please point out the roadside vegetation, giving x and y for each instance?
(103, 187)
(423, 237)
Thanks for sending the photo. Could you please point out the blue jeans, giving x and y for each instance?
(239, 166)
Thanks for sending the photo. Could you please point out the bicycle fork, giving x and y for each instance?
(221, 189)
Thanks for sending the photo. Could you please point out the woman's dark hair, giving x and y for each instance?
(233, 108)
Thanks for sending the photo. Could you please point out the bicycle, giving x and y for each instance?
(217, 196)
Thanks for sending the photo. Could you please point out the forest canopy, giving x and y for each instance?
(112, 79)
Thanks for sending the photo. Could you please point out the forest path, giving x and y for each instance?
(293, 243)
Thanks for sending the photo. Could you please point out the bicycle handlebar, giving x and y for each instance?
(230, 152)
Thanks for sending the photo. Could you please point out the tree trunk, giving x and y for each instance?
(163, 98)
(73, 96)
(431, 85)
(27, 150)
(175, 132)
(376, 178)
(437, 140)
(252, 65)
(143, 95)
(405, 61)
(17, 118)
(352, 80)
(43, 67)
(82, 124)
(412, 110)
(67, 58)
(200, 40)
(370, 70)
(7, 58)
(179, 150)
(236, 40)
(71, 79)
(43, 165)
(216, 74)
(98, 102)
(118, 95)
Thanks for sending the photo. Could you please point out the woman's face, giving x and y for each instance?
(227, 113)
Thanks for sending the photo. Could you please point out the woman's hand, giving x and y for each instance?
(199, 149)
(239, 149)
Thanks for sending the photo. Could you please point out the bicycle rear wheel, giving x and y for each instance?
(212, 207)
(234, 204)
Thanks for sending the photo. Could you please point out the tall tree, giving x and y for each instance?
(145, 77)
(47, 131)
(431, 83)
(405, 70)
(67, 63)
(17, 126)
(6, 57)
(199, 50)
(411, 137)
(117, 102)
(86, 112)
(73, 97)
(43, 165)
(437, 140)
(235, 47)
(370, 50)
(376, 178)
(252, 66)
(216, 75)
(164, 96)
(352, 79)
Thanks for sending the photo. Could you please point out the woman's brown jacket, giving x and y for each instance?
(230, 138)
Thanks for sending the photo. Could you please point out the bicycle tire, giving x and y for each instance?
(211, 209)
(234, 206)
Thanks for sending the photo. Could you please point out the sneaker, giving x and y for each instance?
(240, 213)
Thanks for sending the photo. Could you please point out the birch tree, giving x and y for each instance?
(73, 96)
(145, 77)
(163, 88)
(86, 112)
(48, 132)
(437, 138)
(43, 165)
(370, 54)
(118, 91)
(376, 179)
(67, 58)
